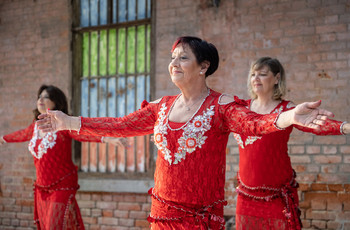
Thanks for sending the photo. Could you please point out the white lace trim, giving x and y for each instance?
(192, 136)
(48, 141)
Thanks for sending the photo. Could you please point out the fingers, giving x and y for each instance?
(42, 116)
(325, 113)
(314, 104)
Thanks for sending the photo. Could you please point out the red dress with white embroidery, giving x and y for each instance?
(190, 168)
(267, 191)
(56, 177)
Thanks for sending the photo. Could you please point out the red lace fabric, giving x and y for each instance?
(268, 196)
(190, 168)
(57, 179)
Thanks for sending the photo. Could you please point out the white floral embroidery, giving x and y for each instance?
(239, 140)
(48, 141)
(250, 140)
(192, 136)
(160, 131)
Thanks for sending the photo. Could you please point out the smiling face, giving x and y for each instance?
(263, 81)
(184, 67)
(44, 102)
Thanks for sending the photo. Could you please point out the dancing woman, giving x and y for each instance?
(191, 131)
(56, 175)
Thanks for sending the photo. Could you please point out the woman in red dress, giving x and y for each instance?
(191, 132)
(56, 175)
(267, 191)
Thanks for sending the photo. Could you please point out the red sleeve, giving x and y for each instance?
(238, 119)
(83, 138)
(20, 135)
(138, 123)
(331, 127)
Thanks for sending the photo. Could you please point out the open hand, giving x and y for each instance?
(117, 141)
(2, 141)
(53, 120)
(308, 114)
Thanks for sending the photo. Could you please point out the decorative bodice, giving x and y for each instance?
(264, 160)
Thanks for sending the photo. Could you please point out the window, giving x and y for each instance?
(112, 76)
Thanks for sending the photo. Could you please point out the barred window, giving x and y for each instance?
(112, 76)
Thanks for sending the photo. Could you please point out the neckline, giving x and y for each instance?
(184, 123)
(251, 101)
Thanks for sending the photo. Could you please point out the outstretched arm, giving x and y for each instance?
(241, 120)
(138, 123)
(19, 135)
(307, 114)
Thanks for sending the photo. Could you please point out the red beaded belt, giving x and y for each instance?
(286, 193)
(204, 214)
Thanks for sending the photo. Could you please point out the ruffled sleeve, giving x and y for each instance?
(138, 123)
(20, 135)
(238, 119)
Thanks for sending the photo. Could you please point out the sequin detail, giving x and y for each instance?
(250, 140)
(192, 136)
(48, 141)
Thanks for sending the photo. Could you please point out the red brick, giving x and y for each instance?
(320, 215)
(313, 149)
(129, 206)
(106, 205)
(300, 159)
(138, 215)
(318, 224)
(319, 187)
(142, 223)
(336, 187)
(333, 225)
(108, 221)
(329, 149)
(297, 149)
(334, 205)
(327, 159)
(318, 204)
(121, 214)
(107, 213)
(345, 149)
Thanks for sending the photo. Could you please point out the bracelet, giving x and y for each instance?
(342, 128)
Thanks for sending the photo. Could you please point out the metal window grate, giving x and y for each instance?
(115, 76)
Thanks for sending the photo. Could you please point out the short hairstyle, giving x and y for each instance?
(202, 50)
(275, 67)
(56, 95)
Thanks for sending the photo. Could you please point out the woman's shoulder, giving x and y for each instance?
(287, 104)
(225, 99)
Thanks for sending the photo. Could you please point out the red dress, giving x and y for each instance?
(56, 177)
(190, 168)
(267, 191)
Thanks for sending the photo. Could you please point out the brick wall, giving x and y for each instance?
(310, 37)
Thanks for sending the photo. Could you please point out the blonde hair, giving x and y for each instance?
(276, 68)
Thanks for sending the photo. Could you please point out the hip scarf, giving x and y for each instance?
(288, 194)
(210, 216)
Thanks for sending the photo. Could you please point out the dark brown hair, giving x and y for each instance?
(56, 95)
(203, 51)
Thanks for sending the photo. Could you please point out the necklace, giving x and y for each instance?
(188, 107)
